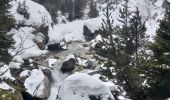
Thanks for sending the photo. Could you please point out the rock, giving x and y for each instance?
(55, 46)
(87, 33)
(15, 72)
(47, 72)
(27, 96)
(68, 66)
(38, 84)
(85, 45)
(47, 88)
(41, 36)
(90, 64)
(40, 40)
(83, 55)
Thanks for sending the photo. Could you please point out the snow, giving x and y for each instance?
(72, 31)
(38, 14)
(123, 98)
(35, 81)
(96, 40)
(151, 13)
(70, 56)
(18, 59)
(5, 86)
(51, 62)
(111, 86)
(24, 43)
(39, 37)
(15, 65)
(58, 78)
(79, 86)
(7, 74)
(25, 73)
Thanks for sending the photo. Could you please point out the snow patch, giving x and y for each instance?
(79, 86)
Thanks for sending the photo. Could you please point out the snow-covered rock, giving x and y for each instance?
(18, 59)
(24, 43)
(38, 15)
(15, 65)
(81, 86)
(5, 73)
(51, 62)
(72, 31)
(38, 84)
(25, 73)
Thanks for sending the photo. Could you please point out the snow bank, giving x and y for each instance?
(38, 14)
(34, 84)
(24, 43)
(72, 31)
(80, 86)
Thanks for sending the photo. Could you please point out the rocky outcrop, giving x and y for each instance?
(68, 66)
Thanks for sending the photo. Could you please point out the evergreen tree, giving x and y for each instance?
(159, 69)
(6, 41)
(79, 6)
(93, 9)
(121, 46)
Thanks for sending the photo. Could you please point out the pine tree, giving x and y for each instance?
(120, 45)
(93, 9)
(6, 41)
(159, 69)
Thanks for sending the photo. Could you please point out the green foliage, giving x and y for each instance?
(93, 9)
(10, 95)
(158, 72)
(6, 23)
(122, 46)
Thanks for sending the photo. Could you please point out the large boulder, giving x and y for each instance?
(68, 66)
(81, 86)
(38, 84)
(87, 33)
